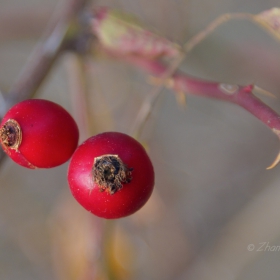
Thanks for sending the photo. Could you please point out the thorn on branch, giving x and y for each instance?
(277, 159)
(275, 162)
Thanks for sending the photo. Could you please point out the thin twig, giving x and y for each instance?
(151, 98)
(199, 37)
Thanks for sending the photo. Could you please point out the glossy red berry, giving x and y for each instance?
(38, 133)
(111, 175)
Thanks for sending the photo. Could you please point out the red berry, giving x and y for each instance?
(111, 175)
(38, 133)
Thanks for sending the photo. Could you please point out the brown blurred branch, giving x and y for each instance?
(47, 51)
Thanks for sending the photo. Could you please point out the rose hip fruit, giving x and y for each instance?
(38, 133)
(111, 175)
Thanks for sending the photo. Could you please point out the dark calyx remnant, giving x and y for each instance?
(10, 134)
(110, 173)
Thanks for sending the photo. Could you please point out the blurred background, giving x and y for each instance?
(214, 211)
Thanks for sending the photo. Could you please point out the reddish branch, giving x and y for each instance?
(240, 95)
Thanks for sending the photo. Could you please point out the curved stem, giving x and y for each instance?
(199, 37)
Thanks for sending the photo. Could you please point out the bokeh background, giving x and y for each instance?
(213, 197)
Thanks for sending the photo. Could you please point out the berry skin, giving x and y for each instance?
(38, 133)
(111, 175)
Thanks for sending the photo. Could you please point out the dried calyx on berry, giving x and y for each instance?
(110, 173)
(101, 177)
(10, 134)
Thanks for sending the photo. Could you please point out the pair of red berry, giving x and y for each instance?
(110, 174)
